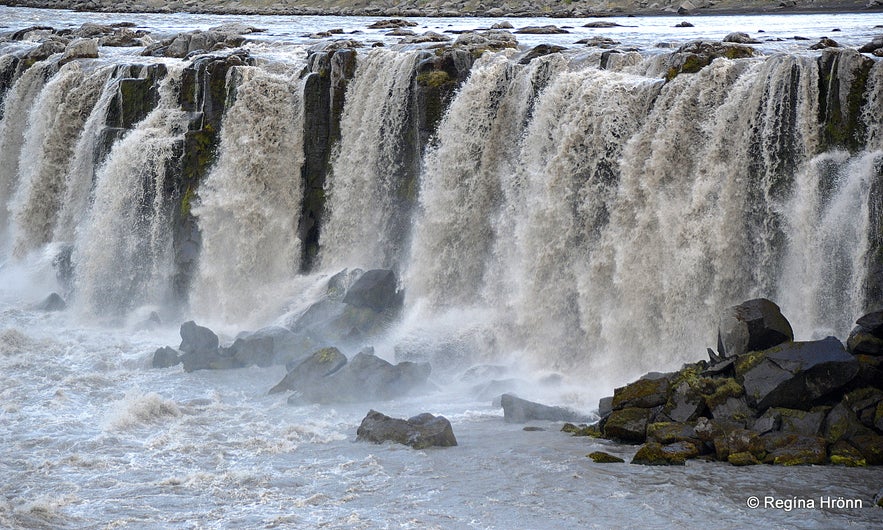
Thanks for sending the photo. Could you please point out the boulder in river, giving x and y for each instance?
(419, 432)
(517, 410)
(750, 326)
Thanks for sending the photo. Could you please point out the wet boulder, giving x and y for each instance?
(80, 49)
(740, 37)
(600, 457)
(419, 432)
(375, 289)
(539, 51)
(684, 404)
(392, 24)
(199, 347)
(310, 373)
(671, 432)
(823, 43)
(542, 30)
(802, 422)
(786, 449)
(476, 42)
(517, 410)
(165, 357)
(264, 347)
(862, 342)
(737, 441)
(796, 374)
(870, 47)
(842, 423)
(694, 56)
(750, 326)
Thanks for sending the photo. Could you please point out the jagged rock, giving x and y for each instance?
(419, 432)
(733, 411)
(539, 51)
(740, 37)
(802, 422)
(605, 406)
(750, 326)
(842, 423)
(823, 43)
(684, 404)
(865, 402)
(655, 454)
(165, 357)
(310, 372)
(600, 457)
(392, 23)
(517, 410)
(627, 425)
(53, 302)
(796, 374)
(644, 393)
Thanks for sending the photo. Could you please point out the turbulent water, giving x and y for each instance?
(581, 225)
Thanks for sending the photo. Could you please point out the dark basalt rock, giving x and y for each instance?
(195, 338)
(165, 357)
(792, 449)
(200, 350)
(309, 373)
(753, 325)
(375, 289)
(517, 410)
(796, 374)
(627, 425)
(644, 393)
(266, 346)
(419, 432)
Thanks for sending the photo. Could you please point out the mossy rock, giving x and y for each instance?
(643, 393)
(738, 441)
(723, 390)
(744, 458)
(794, 450)
(656, 454)
(591, 431)
(627, 425)
(871, 448)
(600, 457)
(671, 432)
(435, 79)
(843, 453)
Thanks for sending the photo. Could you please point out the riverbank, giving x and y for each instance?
(458, 8)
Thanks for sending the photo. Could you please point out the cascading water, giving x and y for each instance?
(82, 166)
(12, 130)
(248, 207)
(123, 253)
(368, 183)
(56, 122)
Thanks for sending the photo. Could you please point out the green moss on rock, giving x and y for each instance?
(600, 457)
(743, 458)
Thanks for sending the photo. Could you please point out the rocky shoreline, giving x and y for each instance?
(457, 8)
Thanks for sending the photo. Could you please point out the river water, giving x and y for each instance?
(92, 437)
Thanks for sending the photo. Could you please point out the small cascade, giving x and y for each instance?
(18, 100)
(55, 124)
(873, 109)
(371, 181)
(248, 206)
(80, 175)
(122, 255)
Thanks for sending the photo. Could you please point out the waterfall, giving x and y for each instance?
(82, 166)
(829, 222)
(122, 255)
(18, 101)
(248, 206)
(873, 109)
(55, 124)
(369, 175)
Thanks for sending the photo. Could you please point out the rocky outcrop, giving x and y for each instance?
(693, 57)
(419, 432)
(790, 403)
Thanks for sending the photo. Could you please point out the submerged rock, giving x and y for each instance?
(655, 454)
(419, 432)
(517, 410)
(53, 302)
(165, 357)
(308, 373)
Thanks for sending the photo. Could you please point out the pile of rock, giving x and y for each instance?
(763, 398)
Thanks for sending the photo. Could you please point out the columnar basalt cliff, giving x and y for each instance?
(569, 194)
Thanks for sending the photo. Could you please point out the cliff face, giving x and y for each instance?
(454, 8)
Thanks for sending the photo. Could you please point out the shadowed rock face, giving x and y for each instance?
(419, 432)
(754, 325)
